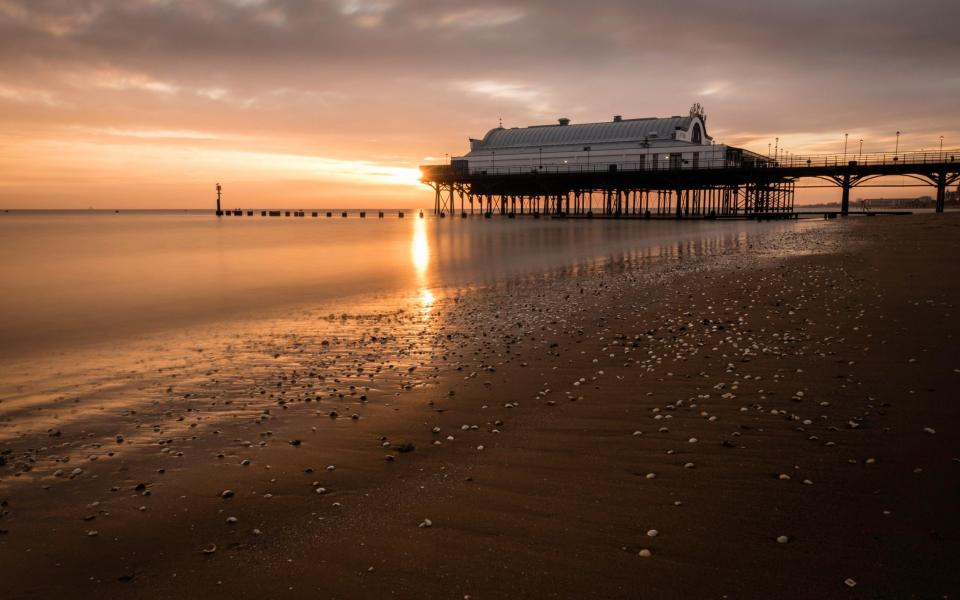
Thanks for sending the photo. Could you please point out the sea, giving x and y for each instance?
(70, 278)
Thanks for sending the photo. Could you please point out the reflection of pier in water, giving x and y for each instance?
(528, 249)
(710, 189)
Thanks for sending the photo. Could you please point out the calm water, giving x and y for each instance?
(74, 278)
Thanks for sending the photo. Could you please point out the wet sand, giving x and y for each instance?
(772, 420)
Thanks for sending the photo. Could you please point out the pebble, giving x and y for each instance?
(652, 533)
(231, 520)
(227, 494)
(645, 553)
(782, 539)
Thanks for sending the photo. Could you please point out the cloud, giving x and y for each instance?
(161, 134)
(30, 96)
(716, 88)
(534, 100)
(474, 18)
(123, 81)
(212, 93)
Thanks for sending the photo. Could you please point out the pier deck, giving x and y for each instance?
(708, 189)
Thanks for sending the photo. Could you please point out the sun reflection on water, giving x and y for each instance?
(420, 249)
(426, 298)
(420, 256)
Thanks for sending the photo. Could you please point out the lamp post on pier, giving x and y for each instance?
(896, 148)
(845, 136)
(941, 147)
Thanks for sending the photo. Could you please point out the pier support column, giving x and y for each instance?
(845, 199)
(941, 190)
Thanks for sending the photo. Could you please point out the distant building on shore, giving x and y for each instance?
(645, 143)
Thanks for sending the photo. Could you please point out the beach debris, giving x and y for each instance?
(425, 523)
(209, 549)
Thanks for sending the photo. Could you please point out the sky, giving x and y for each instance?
(149, 103)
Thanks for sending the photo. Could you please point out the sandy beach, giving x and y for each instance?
(770, 419)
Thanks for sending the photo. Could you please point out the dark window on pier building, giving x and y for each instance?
(697, 137)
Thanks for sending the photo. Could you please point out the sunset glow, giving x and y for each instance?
(147, 104)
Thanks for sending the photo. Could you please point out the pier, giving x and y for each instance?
(713, 188)
(239, 212)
